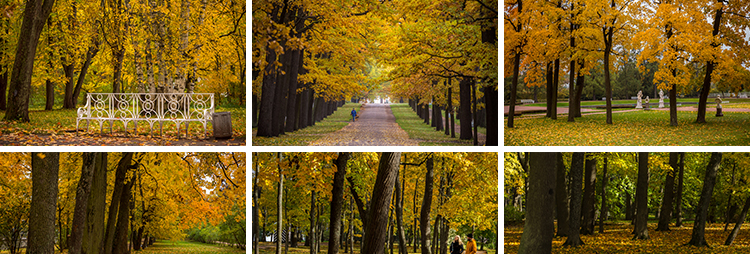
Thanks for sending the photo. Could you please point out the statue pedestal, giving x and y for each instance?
(661, 103)
(718, 112)
(638, 105)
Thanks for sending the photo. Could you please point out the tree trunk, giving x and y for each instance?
(279, 206)
(94, 227)
(709, 69)
(572, 75)
(265, 116)
(665, 216)
(539, 228)
(580, 83)
(49, 95)
(122, 168)
(44, 175)
(550, 87)
(576, 179)
(514, 80)
(3, 85)
(313, 224)
(381, 198)
(603, 210)
(282, 91)
(337, 203)
(561, 199)
(608, 32)
(475, 121)
(464, 114)
(93, 50)
(424, 219)
(589, 197)
(291, 108)
(82, 198)
(701, 211)
(120, 244)
(678, 199)
(34, 16)
(448, 108)
(641, 198)
(737, 226)
(400, 219)
(69, 85)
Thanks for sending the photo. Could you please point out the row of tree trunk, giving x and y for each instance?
(544, 181)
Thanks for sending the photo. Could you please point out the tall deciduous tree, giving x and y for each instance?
(576, 180)
(589, 196)
(44, 176)
(337, 202)
(82, 198)
(701, 211)
(561, 199)
(34, 16)
(424, 218)
(539, 228)
(381, 198)
(641, 198)
(665, 216)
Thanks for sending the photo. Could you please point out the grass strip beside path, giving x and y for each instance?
(418, 130)
(340, 118)
(188, 247)
(638, 128)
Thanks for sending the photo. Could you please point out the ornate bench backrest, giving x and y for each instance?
(155, 106)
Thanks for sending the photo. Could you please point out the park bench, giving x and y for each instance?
(527, 101)
(177, 108)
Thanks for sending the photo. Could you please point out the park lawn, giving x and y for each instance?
(617, 238)
(270, 248)
(340, 118)
(653, 102)
(638, 128)
(61, 121)
(408, 120)
(188, 248)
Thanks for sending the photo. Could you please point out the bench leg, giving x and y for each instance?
(87, 124)
(135, 129)
(177, 125)
(187, 127)
(205, 135)
(77, 120)
(110, 126)
(161, 129)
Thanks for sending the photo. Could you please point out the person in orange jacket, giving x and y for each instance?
(471, 245)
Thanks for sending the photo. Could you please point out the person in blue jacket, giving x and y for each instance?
(354, 114)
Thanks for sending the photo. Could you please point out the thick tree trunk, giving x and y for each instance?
(381, 198)
(337, 203)
(69, 85)
(539, 228)
(118, 56)
(3, 87)
(94, 227)
(737, 226)
(703, 100)
(608, 33)
(491, 107)
(93, 50)
(34, 16)
(291, 108)
(282, 91)
(464, 114)
(120, 244)
(678, 198)
(641, 198)
(701, 211)
(122, 168)
(589, 197)
(44, 175)
(424, 219)
(576, 179)
(550, 87)
(82, 198)
(400, 218)
(474, 119)
(580, 83)
(561, 199)
(49, 95)
(665, 216)
(448, 109)
(514, 79)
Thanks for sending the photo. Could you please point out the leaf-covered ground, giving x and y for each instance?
(639, 128)
(188, 248)
(408, 120)
(303, 137)
(58, 127)
(617, 238)
(270, 248)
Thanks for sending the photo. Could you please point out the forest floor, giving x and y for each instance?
(426, 135)
(58, 128)
(270, 248)
(188, 248)
(641, 128)
(376, 126)
(617, 238)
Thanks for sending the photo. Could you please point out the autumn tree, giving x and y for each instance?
(698, 235)
(44, 170)
(576, 180)
(539, 228)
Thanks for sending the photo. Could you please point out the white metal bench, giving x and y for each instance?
(177, 108)
(527, 101)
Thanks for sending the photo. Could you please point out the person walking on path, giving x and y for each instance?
(457, 247)
(354, 114)
(471, 245)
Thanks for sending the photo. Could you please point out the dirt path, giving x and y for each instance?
(376, 126)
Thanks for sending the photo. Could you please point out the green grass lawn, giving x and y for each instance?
(408, 120)
(64, 120)
(564, 103)
(639, 128)
(270, 248)
(188, 248)
(303, 137)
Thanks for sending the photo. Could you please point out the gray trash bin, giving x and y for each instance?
(222, 122)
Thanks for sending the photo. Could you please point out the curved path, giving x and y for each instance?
(376, 126)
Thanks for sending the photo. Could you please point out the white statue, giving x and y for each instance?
(718, 101)
(638, 104)
(661, 98)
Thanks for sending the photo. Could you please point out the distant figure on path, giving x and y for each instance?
(471, 245)
(457, 247)
(354, 114)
